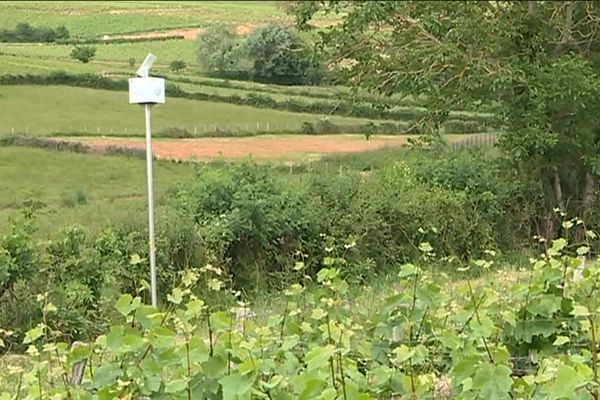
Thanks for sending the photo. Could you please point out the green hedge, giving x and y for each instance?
(119, 40)
(296, 91)
(25, 33)
(254, 224)
(344, 108)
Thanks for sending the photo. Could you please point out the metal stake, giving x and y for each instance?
(151, 240)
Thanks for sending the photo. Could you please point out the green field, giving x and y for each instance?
(42, 110)
(168, 50)
(110, 189)
(93, 19)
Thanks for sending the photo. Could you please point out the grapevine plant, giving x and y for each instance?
(530, 338)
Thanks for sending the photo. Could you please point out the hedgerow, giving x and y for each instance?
(345, 108)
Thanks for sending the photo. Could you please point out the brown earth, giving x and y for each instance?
(281, 147)
(189, 34)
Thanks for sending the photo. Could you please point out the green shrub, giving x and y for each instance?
(174, 132)
(83, 53)
(25, 33)
(177, 65)
(250, 223)
(73, 199)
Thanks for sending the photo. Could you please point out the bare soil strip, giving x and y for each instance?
(264, 147)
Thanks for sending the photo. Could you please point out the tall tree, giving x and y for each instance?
(278, 54)
(535, 62)
(219, 50)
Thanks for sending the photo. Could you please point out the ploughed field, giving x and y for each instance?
(271, 147)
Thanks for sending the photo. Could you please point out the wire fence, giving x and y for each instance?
(227, 129)
(484, 140)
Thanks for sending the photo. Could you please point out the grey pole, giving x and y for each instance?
(151, 241)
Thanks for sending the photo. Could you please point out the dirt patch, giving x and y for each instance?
(259, 147)
(189, 34)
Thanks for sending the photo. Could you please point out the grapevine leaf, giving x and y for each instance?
(566, 383)
(236, 387)
(560, 340)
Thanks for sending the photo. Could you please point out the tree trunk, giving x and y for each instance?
(567, 34)
(588, 193)
(558, 190)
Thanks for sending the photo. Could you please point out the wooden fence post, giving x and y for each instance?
(78, 368)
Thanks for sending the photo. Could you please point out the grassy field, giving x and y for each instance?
(168, 50)
(86, 189)
(14, 65)
(93, 19)
(45, 109)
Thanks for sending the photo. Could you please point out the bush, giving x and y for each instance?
(219, 50)
(73, 199)
(25, 33)
(83, 53)
(249, 223)
(177, 65)
(175, 133)
(278, 55)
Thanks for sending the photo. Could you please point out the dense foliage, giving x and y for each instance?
(536, 61)
(83, 53)
(25, 33)
(273, 54)
(219, 50)
(256, 223)
(430, 338)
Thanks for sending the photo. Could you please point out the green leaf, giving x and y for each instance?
(318, 314)
(425, 247)
(559, 244)
(583, 250)
(50, 308)
(407, 270)
(215, 366)
(114, 338)
(493, 381)
(79, 353)
(135, 259)
(175, 385)
(198, 350)
(33, 334)
(236, 387)
(560, 340)
(126, 304)
(566, 383)
(312, 389)
(580, 311)
(318, 357)
(402, 353)
(162, 337)
(176, 297)
(195, 307)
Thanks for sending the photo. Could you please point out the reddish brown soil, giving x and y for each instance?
(190, 34)
(292, 147)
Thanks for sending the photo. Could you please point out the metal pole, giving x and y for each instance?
(151, 241)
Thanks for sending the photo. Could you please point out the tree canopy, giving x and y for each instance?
(535, 63)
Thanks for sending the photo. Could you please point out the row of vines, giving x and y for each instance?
(531, 336)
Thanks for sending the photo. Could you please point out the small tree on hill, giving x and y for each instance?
(83, 53)
(278, 55)
(177, 65)
(219, 50)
